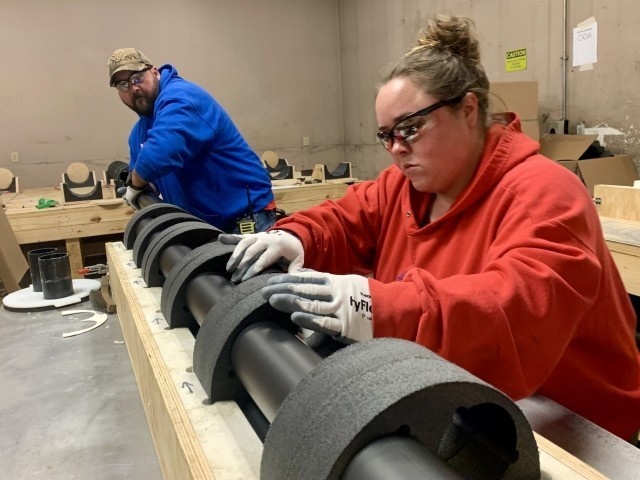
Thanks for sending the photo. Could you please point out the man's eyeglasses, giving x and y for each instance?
(407, 129)
(134, 79)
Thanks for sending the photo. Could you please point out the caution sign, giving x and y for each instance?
(516, 60)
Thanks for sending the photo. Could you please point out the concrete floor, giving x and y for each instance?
(69, 408)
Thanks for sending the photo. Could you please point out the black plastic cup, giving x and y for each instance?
(34, 267)
(55, 275)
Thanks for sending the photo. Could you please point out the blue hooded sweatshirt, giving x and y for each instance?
(193, 153)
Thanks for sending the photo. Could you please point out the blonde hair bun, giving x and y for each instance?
(453, 34)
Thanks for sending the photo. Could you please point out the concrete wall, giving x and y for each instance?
(274, 65)
(284, 69)
(610, 94)
(374, 33)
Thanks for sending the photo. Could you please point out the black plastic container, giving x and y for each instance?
(55, 275)
(34, 267)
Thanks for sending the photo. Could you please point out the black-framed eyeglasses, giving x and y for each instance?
(134, 79)
(407, 129)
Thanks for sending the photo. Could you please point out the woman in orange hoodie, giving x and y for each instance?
(471, 244)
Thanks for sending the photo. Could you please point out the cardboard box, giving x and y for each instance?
(571, 165)
(565, 147)
(531, 128)
(518, 97)
(13, 265)
(616, 170)
(567, 150)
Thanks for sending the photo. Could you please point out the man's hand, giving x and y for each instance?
(259, 251)
(133, 191)
(131, 196)
(338, 305)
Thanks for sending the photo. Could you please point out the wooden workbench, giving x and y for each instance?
(198, 441)
(623, 240)
(619, 210)
(292, 198)
(92, 218)
(69, 223)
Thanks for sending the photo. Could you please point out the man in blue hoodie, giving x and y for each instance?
(187, 146)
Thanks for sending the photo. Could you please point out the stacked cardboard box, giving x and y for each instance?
(568, 150)
(521, 98)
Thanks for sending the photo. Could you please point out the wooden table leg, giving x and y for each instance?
(75, 256)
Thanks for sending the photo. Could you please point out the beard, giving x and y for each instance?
(142, 103)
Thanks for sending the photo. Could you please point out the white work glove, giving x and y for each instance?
(131, 196)
(258, 251)
(338, 305)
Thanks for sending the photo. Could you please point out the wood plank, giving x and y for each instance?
(111, 215)
(294, 198)
(623, 240)
(73, 221)
(60, 225)
(13, 265)
(560, 464)
(195, 441)
(29, 198)
(6, 197)
(77, 220)
(74, 216)
(615, 201)
(74, 250)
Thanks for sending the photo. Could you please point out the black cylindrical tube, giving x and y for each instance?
(397, 458)
(148, 198)
(203, 292)
(170, 256)
(270, 361)
(55, 275)
(34, 267)
(144, 200)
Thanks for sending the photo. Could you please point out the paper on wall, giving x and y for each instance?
(585, 44)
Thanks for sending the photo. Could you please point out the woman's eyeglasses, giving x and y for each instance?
(407, 129)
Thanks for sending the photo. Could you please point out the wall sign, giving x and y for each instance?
(516, 60)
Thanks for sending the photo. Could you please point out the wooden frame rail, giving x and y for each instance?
(198, 441)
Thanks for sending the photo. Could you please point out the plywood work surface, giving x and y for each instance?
(197, 441)
(73, 220)
(292, 198)
(616, 201)
(108, 216)
(623, 239)
(111, 215)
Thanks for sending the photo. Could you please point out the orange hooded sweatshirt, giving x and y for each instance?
(514, 283)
